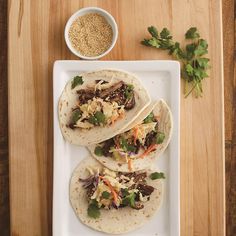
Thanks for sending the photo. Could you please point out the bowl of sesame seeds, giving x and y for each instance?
(91, 33)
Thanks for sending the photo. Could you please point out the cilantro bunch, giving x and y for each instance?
(194, 64)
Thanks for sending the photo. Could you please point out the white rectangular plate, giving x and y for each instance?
(162, 80)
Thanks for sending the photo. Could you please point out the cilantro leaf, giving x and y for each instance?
(101, 118)
(190, 48)
(77, 80)
(157, 175)
(165, 34)
(154, 42)
(93, 120)
(129, 91)
(194, 65)
(129, 200)
(125, 146)
(93, 210)
(189, 69)
(124, 192)
(150, 118)
(131, 148)
(98, 151)
(192, 33)
(76, 115)
(106, 195)
(201, 48)
(97, 118)
(160, 137)
(153, 31)
(203, 62)
(145, 42)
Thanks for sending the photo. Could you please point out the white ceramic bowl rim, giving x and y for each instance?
(84, 10)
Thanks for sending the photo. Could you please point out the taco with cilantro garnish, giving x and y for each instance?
(141, 142)
(114, 202)
(97, 105)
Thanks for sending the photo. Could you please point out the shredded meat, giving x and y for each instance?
(145, 189)
(71, 126)
(90, 180)
(90, 184)
(107, 146)
(150, 138)
(115, 93)
(108, 92)
(85, 95)
(138, 206)
(129, 175)
(137, 147)
(90, 191)
(140, 177)
(130, 103)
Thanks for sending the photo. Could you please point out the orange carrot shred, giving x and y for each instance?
(122, 115)
(151, 148)
(112, 120)
(107, 182)
(130, 164)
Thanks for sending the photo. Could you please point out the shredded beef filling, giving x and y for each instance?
(115, 93)
(140, 184)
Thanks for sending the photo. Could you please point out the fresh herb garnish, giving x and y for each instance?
(125, 146)
(150, 118)
(160, 137)
(106, 195)
(98, 151)
(157, 175)
(77, 80)
(76, 115)
(124, 192)
(97, 118)
(192, 33)
(101, 118)
(93, 209)
(93, 120)
(129, 91)
(129, 200)
(194, 65)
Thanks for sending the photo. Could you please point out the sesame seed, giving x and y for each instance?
(91, 34)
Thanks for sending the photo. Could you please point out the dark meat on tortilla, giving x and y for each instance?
(145, 189)
(150, 138)
(108, 92)
(85, 95)
(107, 146)
(130, 103)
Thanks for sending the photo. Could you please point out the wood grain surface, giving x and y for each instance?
(4, 177)
(229, 16)
(36, 40)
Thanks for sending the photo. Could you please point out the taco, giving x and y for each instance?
(97, 105)
(141, 142)
(114, 202)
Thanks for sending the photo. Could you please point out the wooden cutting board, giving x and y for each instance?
(36, 40)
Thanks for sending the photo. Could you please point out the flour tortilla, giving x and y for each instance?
(98, 134)
(112, 221)
(159, 109)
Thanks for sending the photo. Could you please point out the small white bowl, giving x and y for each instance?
(82, 12)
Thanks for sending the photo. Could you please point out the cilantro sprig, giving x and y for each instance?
(194, 63)
(77, 80)
(93, 209)
(157, 175)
